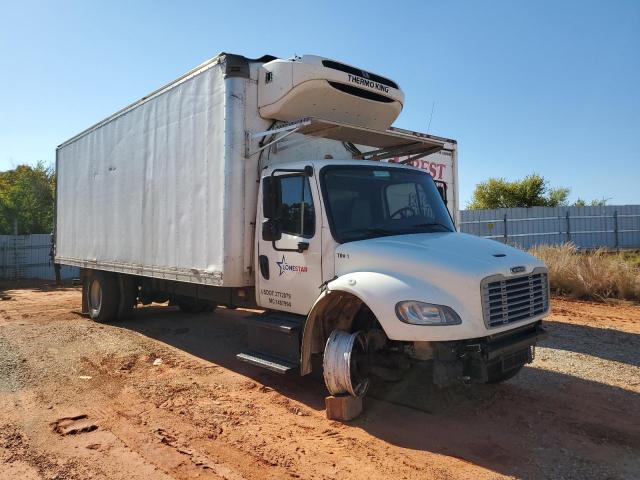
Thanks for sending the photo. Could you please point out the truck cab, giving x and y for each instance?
(368, 254)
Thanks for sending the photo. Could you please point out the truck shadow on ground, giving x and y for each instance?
(604, 343)
(217, 338)
(527, 427)
(39, 285)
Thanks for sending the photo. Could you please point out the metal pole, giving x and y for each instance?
(506, 236)
(568, 227)
(15, 257)
(615, 229)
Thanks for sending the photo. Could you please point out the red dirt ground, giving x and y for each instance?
(80, 400)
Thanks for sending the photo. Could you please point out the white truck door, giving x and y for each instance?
(290, 269)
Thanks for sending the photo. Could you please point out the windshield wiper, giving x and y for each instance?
(432, 224)
(370, 230)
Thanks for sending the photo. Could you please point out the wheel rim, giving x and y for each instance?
(346, 363)
(95, 297)
(359, 365)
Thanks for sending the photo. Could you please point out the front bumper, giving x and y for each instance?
(483, 359)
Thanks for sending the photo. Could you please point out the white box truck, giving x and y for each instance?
(280, 184)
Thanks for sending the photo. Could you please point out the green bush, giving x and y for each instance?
(27, 199)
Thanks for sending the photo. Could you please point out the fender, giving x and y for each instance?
(381, 292)
(342, 305)
(307, 334)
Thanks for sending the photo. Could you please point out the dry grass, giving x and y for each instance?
(597, 275)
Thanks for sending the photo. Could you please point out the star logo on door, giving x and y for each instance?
(285, 267)
(282, 266)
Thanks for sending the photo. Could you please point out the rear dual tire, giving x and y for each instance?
(110, 296)
(103, 296)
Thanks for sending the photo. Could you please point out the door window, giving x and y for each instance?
(298, 213)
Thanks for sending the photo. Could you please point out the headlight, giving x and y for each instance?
(419, 313)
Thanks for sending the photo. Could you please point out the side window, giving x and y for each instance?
(298, 214)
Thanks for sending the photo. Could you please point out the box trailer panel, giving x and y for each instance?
(150, 192)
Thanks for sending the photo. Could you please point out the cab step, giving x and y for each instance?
(275, 364)
(276, 337)
(281, 322)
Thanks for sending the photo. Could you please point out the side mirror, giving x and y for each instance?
(271, 230)
(442, 190)
(271, 195)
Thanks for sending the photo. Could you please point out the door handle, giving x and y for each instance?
(302, 246)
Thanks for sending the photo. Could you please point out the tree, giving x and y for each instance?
(27, 197)
(532, 191)
(597, 202)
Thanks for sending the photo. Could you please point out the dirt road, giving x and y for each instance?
(162, 397)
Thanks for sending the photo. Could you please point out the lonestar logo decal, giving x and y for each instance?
(285, 267)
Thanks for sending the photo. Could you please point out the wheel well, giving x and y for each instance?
(335, 310)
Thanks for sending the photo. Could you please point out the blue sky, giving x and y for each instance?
(524, 86)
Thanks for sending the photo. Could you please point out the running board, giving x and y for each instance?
(282, 323)
(275, 364)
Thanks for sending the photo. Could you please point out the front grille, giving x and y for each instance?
(507, 300)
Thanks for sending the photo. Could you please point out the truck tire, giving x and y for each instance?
(346, 363)
(103, 296)
(504, 376)
(128, 296)
(189, 306)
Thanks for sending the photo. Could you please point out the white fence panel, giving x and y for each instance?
(28, 256)
(613, 226)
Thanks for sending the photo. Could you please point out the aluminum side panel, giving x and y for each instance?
(148, 192)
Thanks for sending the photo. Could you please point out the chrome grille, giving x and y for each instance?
(508, 300)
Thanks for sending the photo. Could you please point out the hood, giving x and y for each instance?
(439, 268)
(448, 253)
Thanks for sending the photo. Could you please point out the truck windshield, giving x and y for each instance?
(365, 202)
